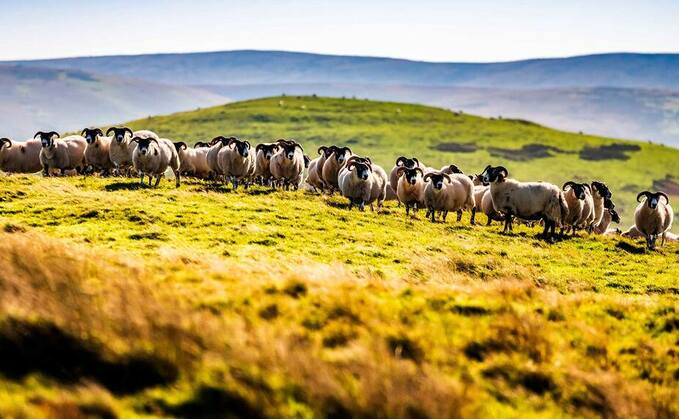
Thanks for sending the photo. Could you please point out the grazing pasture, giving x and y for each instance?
(122, 300)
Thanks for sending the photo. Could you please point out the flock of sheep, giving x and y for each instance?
(122, 151)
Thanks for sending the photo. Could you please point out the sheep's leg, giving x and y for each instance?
(490, 220)
(141, 179)
(508, 222)
(473, 219)
(432, 212)
(372, 208)
(150, 179)
(177, 177)
(361, 206)
(459, 215)
(234, 182)
(351, 203)
(157, 181)
(445, 214)
(407, 210)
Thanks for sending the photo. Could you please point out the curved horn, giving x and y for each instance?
(427, 177)
(644, 193)
(38, 134)
(217, 139)
(321, 149)
(247, 143)
(417, 169)
(259, 147)
(664, 195)
(445, 175)
(569, 183)
(126, 129)
(82, 133)
(299, 145)
(416, 161)
(586, 185)
(6, 140)
(135, 139)
(400, 161)
(347, 149)
(502, 168)
(108, 131)
(179, 145)
(154, 140)
(350, 164)
(400, 171)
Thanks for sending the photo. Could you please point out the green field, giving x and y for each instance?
(117, 300)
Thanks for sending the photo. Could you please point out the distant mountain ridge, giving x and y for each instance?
(257, 67)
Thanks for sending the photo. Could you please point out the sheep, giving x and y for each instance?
(363, 183)
(192, 161)
(447, 192)
(153, 156)
(401, 161)
(201, 144)
(653, 217)
(97, 152)
(315, 173)
(216, 145)
(264, 152)
(599, 192)
(610, 215)
(580, 206)
(410, 188)
(313, 179)
(527, 200)
(122, 148)
(333, 165)
(20, 157)
(63, 154)
(287, 165)
(237, 162)
(634, 233)
(452, 169)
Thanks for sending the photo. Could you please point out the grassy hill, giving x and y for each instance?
(385, 130)
(193, 302)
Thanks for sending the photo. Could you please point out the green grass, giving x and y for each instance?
(386, 130)
(286, 304)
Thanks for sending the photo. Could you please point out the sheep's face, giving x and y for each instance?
(652, 199)
(243, 147)
(601, 189)
(407, 163)
(268, 150)
(289, 150)
(614, 216)
(91, 134)
(410, 175)
(494, 174)
(146, 146)
(437, 179)
(46, 138)
(119, 133)
(341, 154)
(361, 169)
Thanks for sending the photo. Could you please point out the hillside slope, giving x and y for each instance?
(386, 130)
(33, 99)
(250, 67)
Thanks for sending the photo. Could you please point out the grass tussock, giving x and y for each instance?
(134, 337)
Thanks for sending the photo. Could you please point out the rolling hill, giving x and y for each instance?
(124, 301)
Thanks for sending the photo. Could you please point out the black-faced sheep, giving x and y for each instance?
(153, 157)
(287, 165)
(333, 165)
(653, 217)
(237, 162)
(263, 161)
(410, 188)
(97, 152)
(20, 156)
(363, 183)
(62, 154)
(448, 192)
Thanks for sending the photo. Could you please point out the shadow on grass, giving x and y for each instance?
(630, 248)
(124, 186)
(213, 402)
(27, 348)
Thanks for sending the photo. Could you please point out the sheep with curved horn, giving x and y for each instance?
(447, 192)
(653, 217)
(363, 183)
(97, 152)
(63, 154)
(20, 156)
(237, 162)
(153, 157)
(264, 153)
(580, 206)
(287, 165)
(333, 164)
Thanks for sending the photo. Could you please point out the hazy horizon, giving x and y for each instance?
(429, 30)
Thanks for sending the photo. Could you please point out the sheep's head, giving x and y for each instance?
(437, 179)
(409, 174)
(652, 199)
(614, 215)
(268, 149)
(362, 167)
(180, 145)
(601, 189)
(494, 174)
(289, 147)
(579, 189)
(340, 154)
(608, 204)
(46, 138)
(119, 133)
(453, 169)
(145, 145)
(201, 144)
(243, 147)
(5, 143)
(91, 134)
(326, 151)
(403, 161)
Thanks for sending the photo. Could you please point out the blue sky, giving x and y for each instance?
(433, 30)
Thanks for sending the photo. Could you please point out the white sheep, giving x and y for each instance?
(193, 161)
(448, 192)
(610, 216)
(153, 157)
(600, 192)
(287, 165)
(363, 183)
(121, 149)
(527, 200)
(315, 172)
(401, 161)
(410, 188)
(653, 217)
(580, 206)
(264, 152)
(237, 162)
(20, 156)
(63, 154)
(97, 152)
